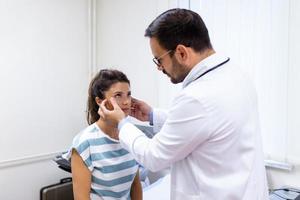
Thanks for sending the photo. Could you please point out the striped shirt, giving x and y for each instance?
(113, 168)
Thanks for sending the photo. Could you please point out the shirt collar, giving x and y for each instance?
(203, 66)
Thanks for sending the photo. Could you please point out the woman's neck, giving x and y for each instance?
(108, 128)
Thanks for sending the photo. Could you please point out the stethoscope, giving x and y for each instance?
(211, 69)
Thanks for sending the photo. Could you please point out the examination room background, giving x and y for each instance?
(49, 50)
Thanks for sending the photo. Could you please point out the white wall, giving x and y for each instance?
(121, 43)
(43, 83)
(278, 177)
(25, 181)
(293, 138)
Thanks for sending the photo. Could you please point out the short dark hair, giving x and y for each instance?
(179, 26)
(102, 82)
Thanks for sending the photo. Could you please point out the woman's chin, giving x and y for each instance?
(126, 113)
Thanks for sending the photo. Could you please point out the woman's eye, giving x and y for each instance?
(117, 95)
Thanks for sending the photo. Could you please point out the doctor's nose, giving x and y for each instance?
(160, 67)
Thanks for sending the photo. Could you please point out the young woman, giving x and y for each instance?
(101, 168)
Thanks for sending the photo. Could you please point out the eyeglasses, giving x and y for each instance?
(157, 60)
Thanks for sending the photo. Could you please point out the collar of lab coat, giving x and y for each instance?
(203, 66)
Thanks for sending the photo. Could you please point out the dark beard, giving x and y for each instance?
(178, 68)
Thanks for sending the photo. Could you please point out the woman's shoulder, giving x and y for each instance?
(94, 136)
(82, 140)
(88, 133)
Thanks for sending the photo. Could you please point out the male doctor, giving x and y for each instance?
(210, 137)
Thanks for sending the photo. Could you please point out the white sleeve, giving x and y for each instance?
(186, 127)
(159, 118)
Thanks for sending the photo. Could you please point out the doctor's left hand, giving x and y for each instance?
(114, 114)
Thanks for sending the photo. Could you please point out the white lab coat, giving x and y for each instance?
(210, 137)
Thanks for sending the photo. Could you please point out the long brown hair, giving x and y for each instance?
(102, 81)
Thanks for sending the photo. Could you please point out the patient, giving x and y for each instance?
(101, 168)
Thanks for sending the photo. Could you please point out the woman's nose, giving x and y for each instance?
(126, 100)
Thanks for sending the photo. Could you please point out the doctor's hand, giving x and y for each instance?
(109, 110)
(140, 110)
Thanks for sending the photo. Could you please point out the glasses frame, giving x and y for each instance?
(157, 60)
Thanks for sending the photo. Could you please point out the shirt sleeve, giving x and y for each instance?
(82, 146)
(186, 127)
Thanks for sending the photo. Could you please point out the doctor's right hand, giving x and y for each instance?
(140, 110)
(109, 110)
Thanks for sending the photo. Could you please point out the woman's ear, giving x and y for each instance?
(98, 101)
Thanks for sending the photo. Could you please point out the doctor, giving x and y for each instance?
(210, 137)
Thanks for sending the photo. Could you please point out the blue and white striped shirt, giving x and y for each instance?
(113, 168)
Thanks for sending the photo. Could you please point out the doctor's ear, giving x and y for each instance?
(98, 101)
(182, 52)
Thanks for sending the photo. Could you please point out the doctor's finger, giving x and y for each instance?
(102, 107)
(135, 100)
(114, 103)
